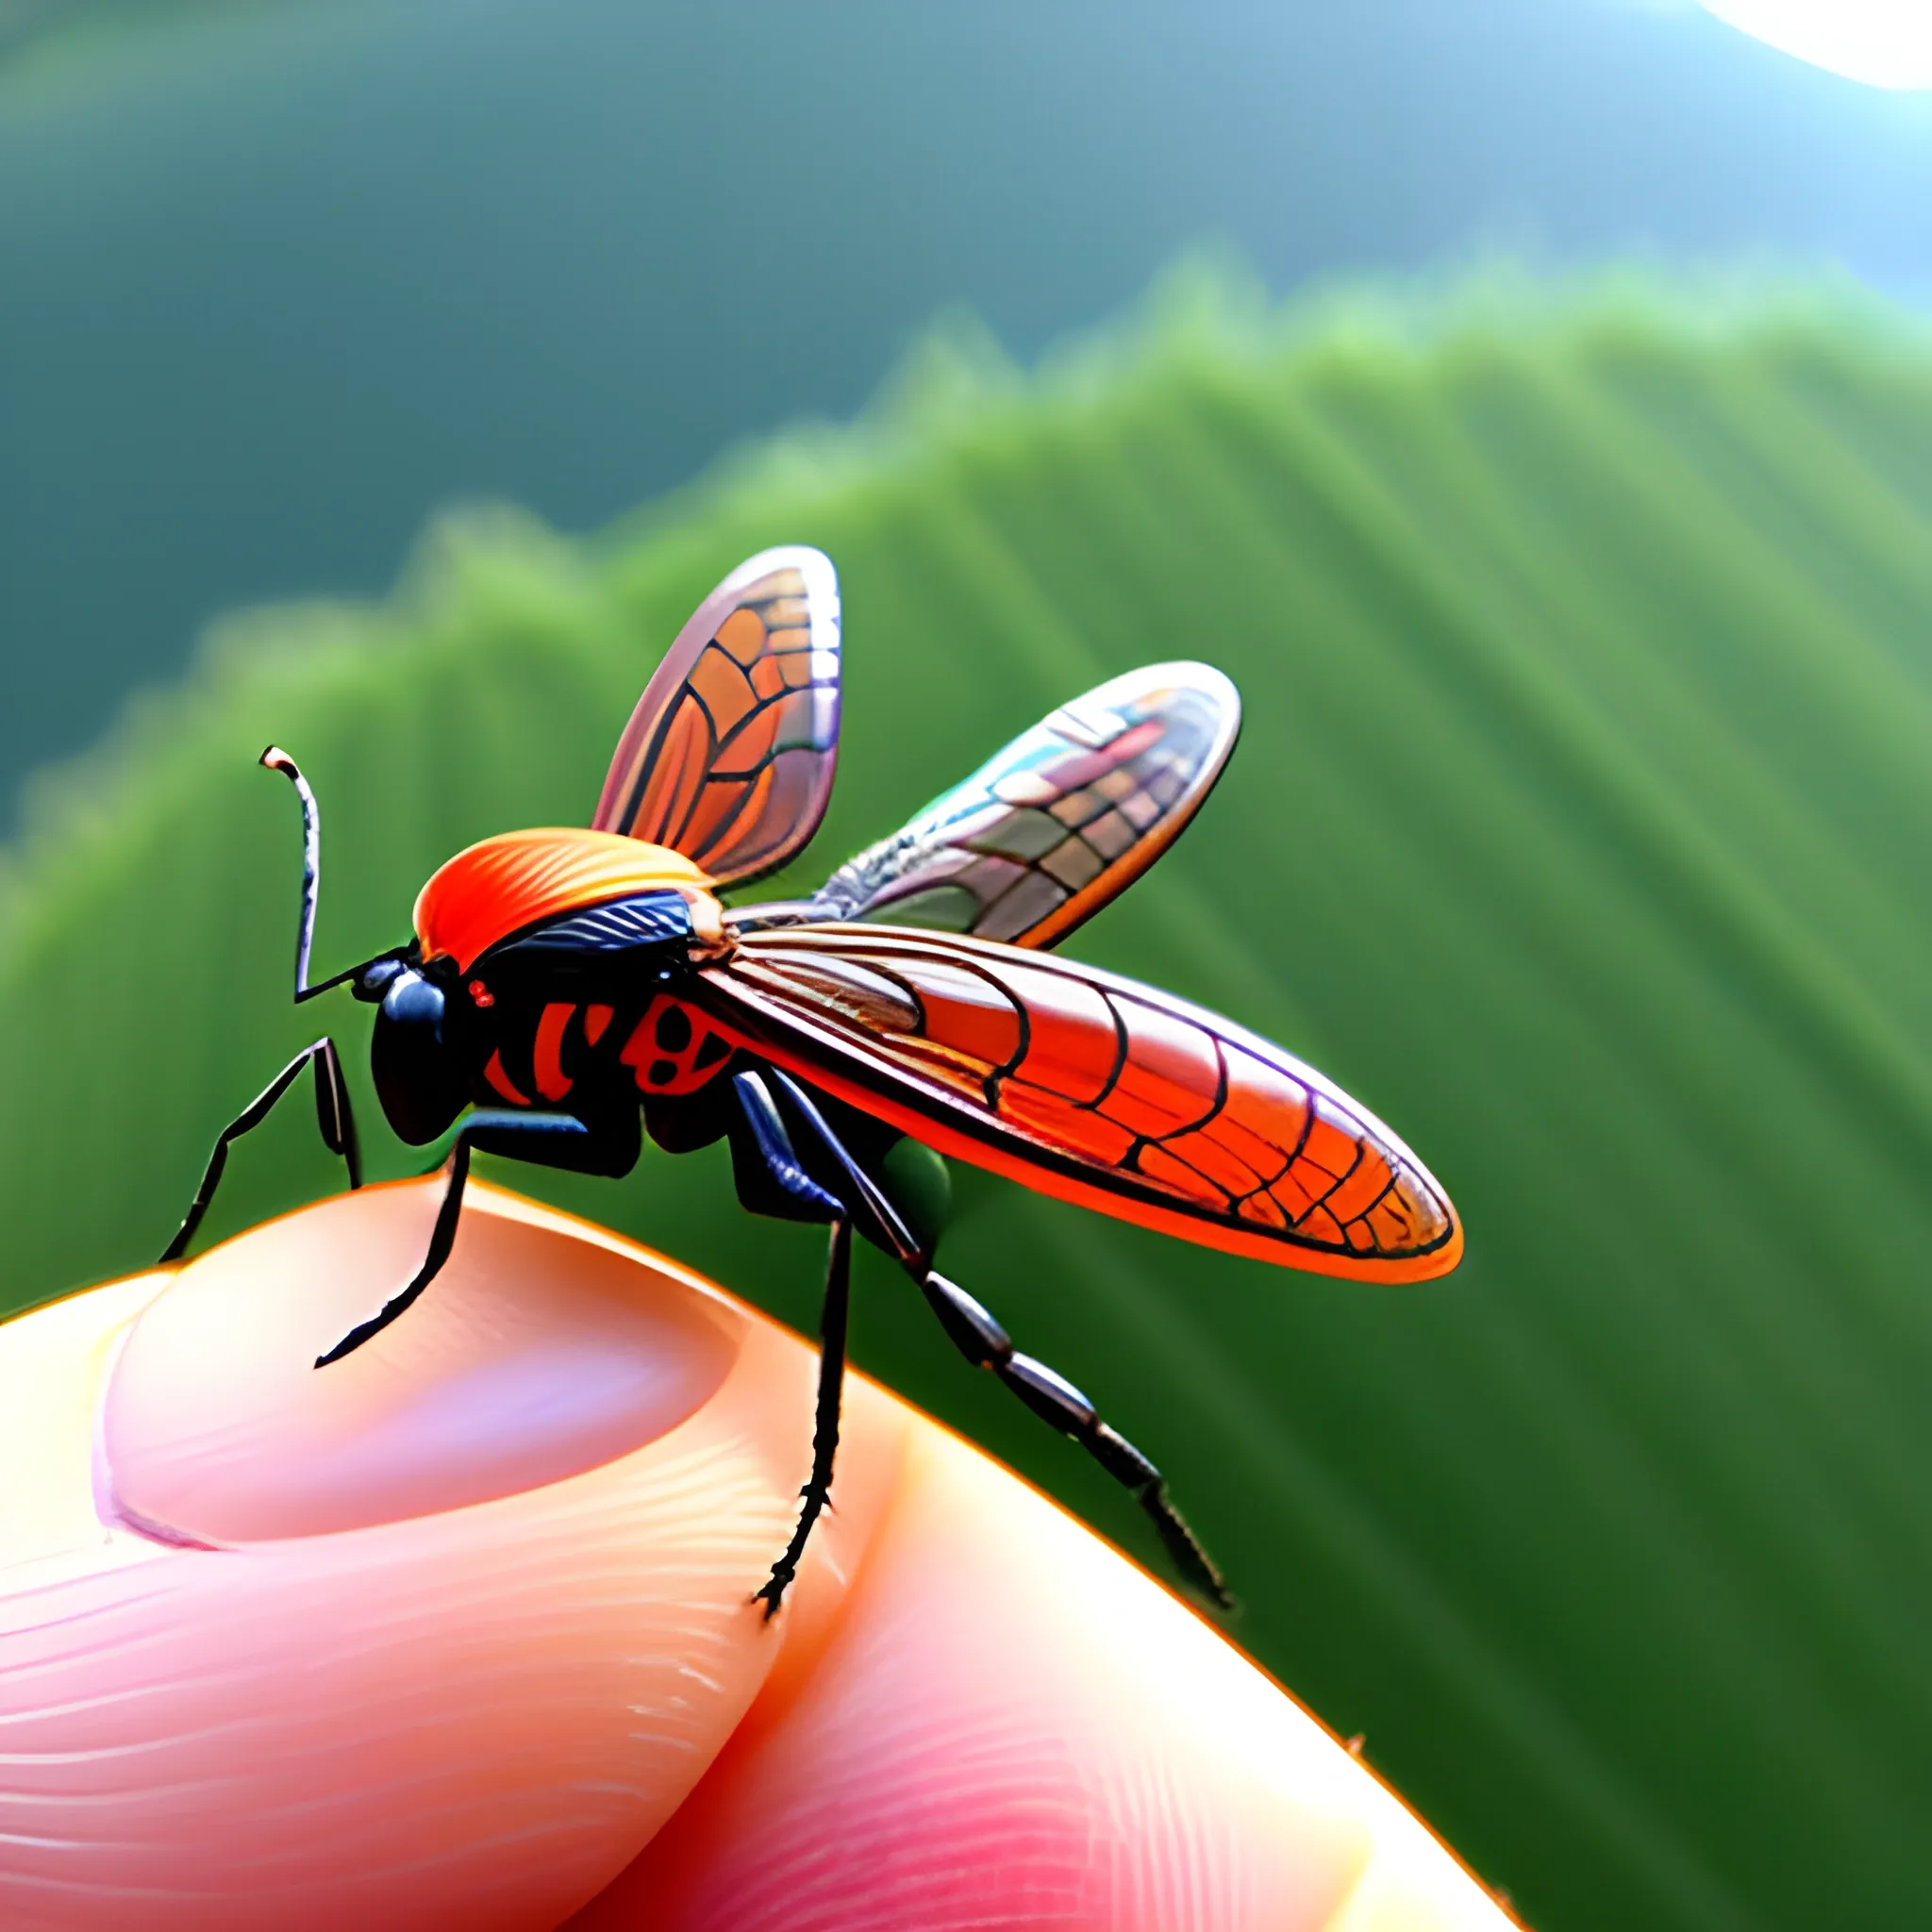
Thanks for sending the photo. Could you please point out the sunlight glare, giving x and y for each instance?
(1884, 43)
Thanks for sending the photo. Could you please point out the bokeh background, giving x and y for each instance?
(1529, 401)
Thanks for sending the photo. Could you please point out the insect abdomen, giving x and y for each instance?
(567, 1052)
(674, 1048)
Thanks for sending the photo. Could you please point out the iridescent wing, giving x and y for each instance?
(1044, 834)
(1089, 1086)
(729, 757)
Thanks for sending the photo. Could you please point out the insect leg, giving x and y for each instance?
(332, 1114)
(548, 1140)
(817, 1492)
(981, 1340)
(878, 1218)
(770, 1181)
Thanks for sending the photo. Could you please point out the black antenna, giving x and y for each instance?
(276, 760)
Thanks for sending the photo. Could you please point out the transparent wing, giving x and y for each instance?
(729, 757)
(1091, 1087)
(1044, 834)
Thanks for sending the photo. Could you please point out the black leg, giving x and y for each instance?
(1054, 1400)
(332, 1115)
(770, 1181)
(861, 1196)
(824, 1435)
(981, 1340)
(769, 1177)
(549, 1140)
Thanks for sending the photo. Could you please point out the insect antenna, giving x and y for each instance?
(276, 760)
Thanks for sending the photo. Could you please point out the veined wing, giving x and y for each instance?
(1089, 1086)
(1044, 834)
(729, 754)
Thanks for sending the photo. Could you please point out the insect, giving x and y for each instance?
(574, 987)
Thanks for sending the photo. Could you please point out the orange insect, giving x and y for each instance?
(563, 982)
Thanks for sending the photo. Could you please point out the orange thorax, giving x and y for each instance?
(504, 884)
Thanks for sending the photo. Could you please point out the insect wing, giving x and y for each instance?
(729, 757)
(1046, 832)
(1091, 1087)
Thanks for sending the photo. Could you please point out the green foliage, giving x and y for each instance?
(1579, 826)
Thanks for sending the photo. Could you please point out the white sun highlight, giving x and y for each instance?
(1883, 42)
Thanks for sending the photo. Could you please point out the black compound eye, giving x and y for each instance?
(376, 979)
(418, 1078)
(410, 1001)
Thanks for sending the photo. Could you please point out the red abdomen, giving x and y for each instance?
(564, 1054)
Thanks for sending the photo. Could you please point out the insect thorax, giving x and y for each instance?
(506, 888)
(591, 1009)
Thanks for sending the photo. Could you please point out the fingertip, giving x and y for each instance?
(469, 1691)
(479, 1619)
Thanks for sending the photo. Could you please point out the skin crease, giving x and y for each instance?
(459, 1631)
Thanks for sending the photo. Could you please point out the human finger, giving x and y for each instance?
(459, 1637)
(439, 1634)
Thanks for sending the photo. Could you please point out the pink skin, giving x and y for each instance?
(459, 1632)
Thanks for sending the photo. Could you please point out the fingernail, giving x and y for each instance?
(512, 1372)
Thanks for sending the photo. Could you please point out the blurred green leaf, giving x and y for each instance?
(1579, 827)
